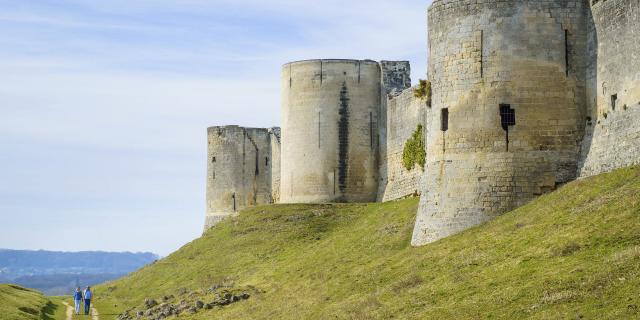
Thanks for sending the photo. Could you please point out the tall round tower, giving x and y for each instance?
(330, 111)
(508, 108)
(239, 170)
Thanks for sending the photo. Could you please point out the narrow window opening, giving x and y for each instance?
(257, 164)
(371, 129)
(566, 51)
(234, 201)
(614, 100)
(444, 126)
(318, 129)
(266, 161)
(213, 160)
(481, 53)
(213, 175)
(507, 119)
(444, 119)
(334, 181)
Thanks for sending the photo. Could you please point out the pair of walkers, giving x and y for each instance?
(85, 296)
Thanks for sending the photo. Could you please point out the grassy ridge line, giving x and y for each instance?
(18, 303)
(572, 253)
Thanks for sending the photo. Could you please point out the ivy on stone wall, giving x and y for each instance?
(423, 91)
(414, 151)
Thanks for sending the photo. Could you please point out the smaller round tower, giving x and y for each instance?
(239, 170)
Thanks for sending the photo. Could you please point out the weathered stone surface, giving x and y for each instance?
(150, 303)
(330, 111)
(243, 169)
(612, 138)
(396, 76)
(484, 55)
(404, 114)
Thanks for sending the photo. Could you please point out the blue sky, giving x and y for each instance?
(104, 105)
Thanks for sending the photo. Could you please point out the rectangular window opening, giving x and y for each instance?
(213, 160)
(507, 116)
(444, 119)
(266, 161)
(614, 100)
(507, 119)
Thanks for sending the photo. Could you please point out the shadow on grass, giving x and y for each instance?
(49, 311)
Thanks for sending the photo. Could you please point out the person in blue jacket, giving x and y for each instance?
(88, 295)
(77, 299)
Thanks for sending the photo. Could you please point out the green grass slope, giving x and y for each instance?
(569, 254)
(18, 303)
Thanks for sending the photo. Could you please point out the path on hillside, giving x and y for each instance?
(94, 314)
(69, 310)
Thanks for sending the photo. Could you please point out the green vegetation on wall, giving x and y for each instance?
(414, 150)
(423, 91)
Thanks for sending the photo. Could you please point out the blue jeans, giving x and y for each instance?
(78, 303)
(87, 306)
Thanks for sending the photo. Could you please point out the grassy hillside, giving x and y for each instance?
(18, 303)
(570, 254)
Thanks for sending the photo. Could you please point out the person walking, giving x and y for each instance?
(77, 299)
(88, 295)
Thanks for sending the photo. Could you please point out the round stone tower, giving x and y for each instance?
(508, 108)
(239, 170)
(613, 88)
(330, 143)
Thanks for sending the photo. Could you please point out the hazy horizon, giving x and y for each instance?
(106, 104)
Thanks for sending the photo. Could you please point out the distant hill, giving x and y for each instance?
(56, 273)
(571, 254)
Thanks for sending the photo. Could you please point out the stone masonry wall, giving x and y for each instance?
(396, 80)
(396, 76)
(612, 138)
(404, 114)
(239, 171)
(508, 100)
(275, 137)
(330, 112)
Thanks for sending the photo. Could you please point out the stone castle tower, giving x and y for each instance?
(508, 103)
(330, 111)
(243, 169)
(514, 103)
(527, 95)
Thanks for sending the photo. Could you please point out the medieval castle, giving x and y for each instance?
(527, 95)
